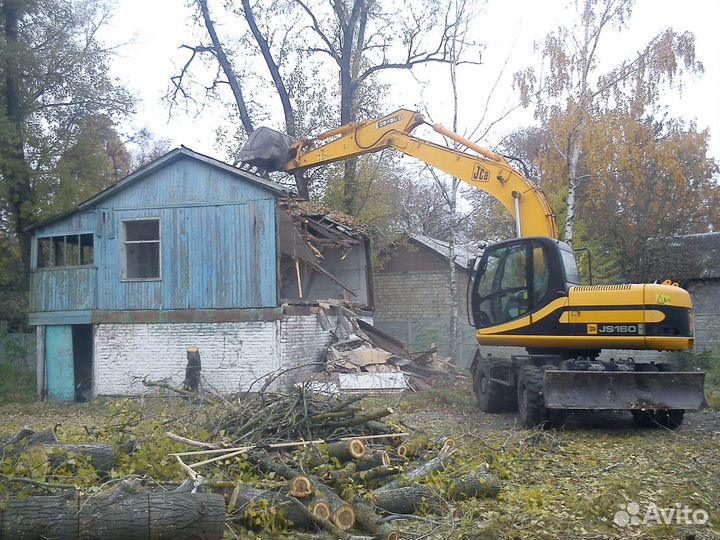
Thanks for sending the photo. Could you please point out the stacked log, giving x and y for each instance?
(161, 516)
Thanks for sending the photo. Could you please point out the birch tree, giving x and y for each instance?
(571, 82)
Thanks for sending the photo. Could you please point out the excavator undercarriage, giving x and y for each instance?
(543, 389)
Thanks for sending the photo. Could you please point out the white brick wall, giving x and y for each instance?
(303, 340)
(233, 355)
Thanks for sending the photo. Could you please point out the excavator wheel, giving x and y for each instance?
(530, 399)
(490, 395)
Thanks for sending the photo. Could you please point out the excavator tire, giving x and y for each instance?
(530, 399)
(491, 396)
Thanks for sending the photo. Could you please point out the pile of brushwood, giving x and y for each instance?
(295, 463)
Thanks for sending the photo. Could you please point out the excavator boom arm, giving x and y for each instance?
(487, 171)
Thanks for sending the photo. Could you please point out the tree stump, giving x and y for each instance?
(192, 371)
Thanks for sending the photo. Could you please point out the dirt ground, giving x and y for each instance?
(567, 483)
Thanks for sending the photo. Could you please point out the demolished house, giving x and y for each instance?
(189, 251)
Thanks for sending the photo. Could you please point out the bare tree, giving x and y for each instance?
(364, 38)
(217, 51)
(360, 38)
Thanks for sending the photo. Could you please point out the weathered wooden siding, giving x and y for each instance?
(218, 246)
(185, 182)
(62, 289)
(212, 257)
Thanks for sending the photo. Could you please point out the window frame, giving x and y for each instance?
(124, 242)
(51, 238)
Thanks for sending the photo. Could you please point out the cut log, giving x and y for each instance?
(369, 521)
(338, 510)
(409, 449)
(341, 513)
(161, 516)
(406, 499)
(376, 459)
(246, 496)
(323, 522)
(435, 464)
(481, 483)
(376, 473)
(301, 487)
(101, 455)
(347, 450)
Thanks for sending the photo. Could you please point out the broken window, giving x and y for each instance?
(65, 250)
(141, 249)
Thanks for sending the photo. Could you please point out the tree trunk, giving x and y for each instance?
(290, 126)
(368, 520)
(406, 499)
(481, 483)
(160, 516)
(227, 68)
(576, 142)
(101, 455)
(13, 165)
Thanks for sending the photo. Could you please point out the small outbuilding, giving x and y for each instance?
(693, 261)
(188, 251)
(413, 301)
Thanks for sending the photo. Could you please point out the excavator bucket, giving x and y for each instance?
(267, 149)
(624, 390)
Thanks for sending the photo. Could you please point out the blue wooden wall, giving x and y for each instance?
(218, 246)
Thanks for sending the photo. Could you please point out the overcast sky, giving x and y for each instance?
(153, 30)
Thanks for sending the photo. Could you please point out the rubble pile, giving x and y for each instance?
(359, 349)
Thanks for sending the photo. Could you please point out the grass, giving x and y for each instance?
(555, 484)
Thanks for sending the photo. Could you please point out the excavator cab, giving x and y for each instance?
(518, 277)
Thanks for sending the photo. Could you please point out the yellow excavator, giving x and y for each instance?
(526, 292)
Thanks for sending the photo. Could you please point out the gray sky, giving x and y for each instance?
(153, 30)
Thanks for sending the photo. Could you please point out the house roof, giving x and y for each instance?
(693, 256)
(170, 157)
(442, 248)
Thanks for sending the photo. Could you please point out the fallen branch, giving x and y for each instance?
(422, 471)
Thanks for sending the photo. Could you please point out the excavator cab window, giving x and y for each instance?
(515, 278)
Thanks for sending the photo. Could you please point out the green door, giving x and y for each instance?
(59, 362)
